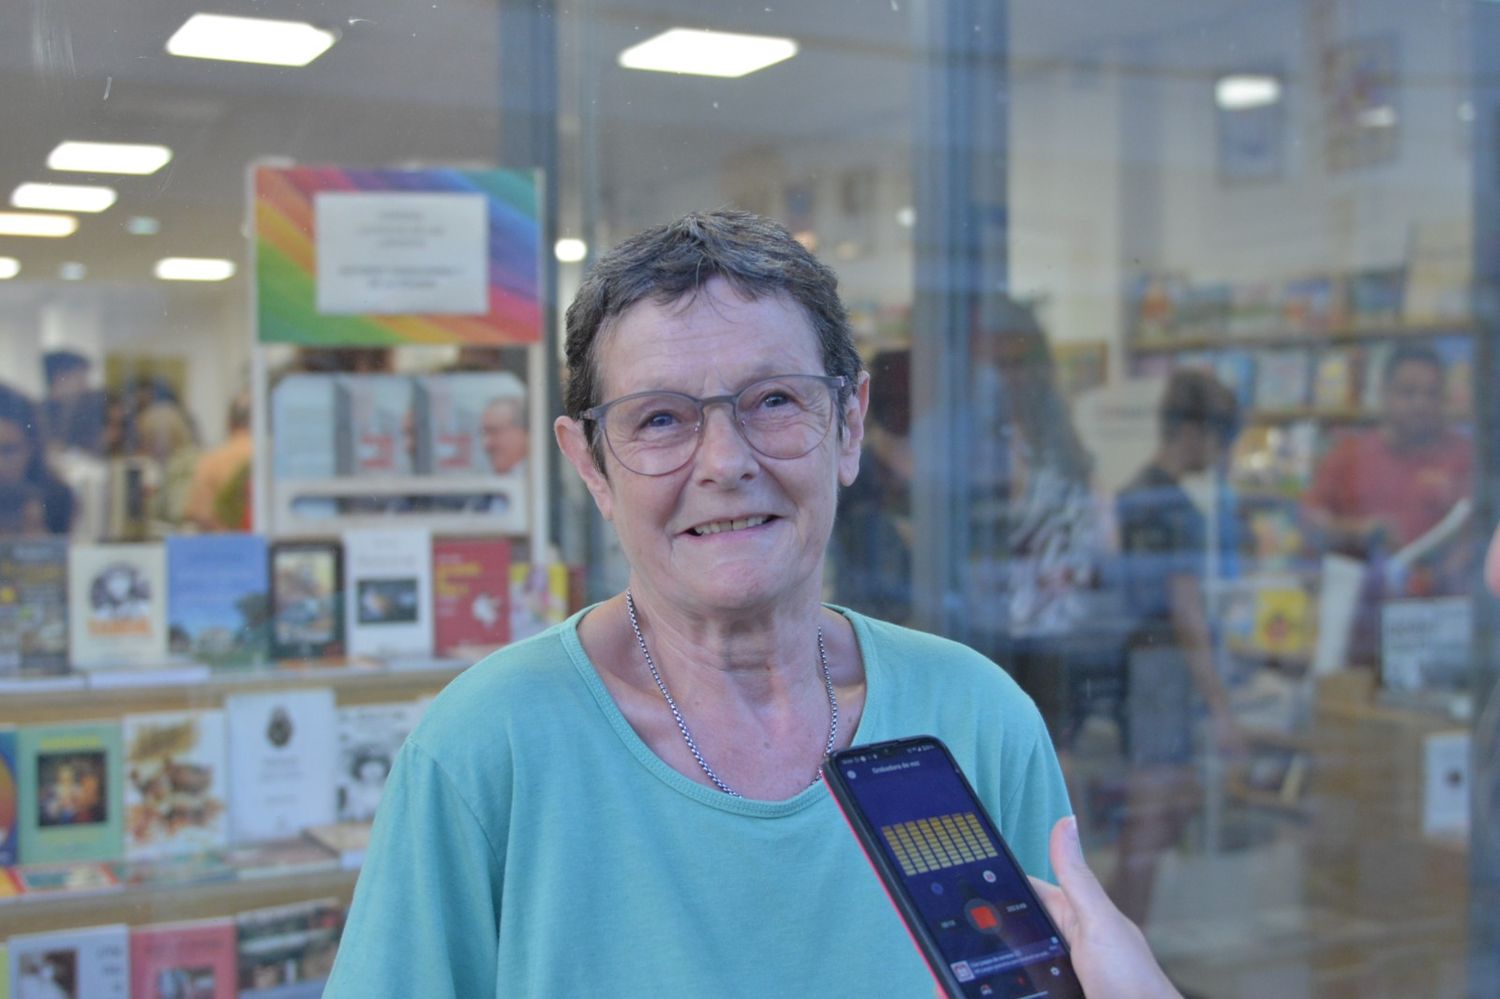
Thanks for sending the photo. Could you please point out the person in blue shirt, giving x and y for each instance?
(630, 803)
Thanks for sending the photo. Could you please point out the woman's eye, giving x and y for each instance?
(659, 421)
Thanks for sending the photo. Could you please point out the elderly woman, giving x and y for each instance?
(629, 804)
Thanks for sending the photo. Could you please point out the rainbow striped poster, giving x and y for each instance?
(476, 232)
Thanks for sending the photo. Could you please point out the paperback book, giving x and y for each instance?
(9, 797)
(1282, 379)
(92, 962)
(282, 752)
(287, 952)
(370, 735)
(69, 878)
(70, 796)
(217, 597)
(117, 599)
(34, 607)
(471, 596)
(176, 784)
(280, 859)
(307, 600)
(189, 960)
(380, 422)
(305, 427)
(538, 598)
(388, 591)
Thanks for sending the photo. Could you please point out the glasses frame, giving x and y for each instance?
(596, 414)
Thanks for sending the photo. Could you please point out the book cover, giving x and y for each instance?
(1376, 296)
(279, 859)
(388, 591)
(1281, 620)
(1282, 379)
(10, 888)
(217, 598)
(287, 952)
(307, 600)
(538, 597)
(34, 607)
(117, 605)
(88, 963)
(1336, 381)
(1457, 354)
(70, 795)
(188, 869)
(1445, 784)
(9, 797)
(1426, 644)
(176, 783)
(348, 841)
(305, 427)
(463, 415)
(188, 960)
(471, 596)
(380, 422)
(68, 878)
(369, 737)
(282, 752)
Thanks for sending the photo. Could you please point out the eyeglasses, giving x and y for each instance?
(656, 433)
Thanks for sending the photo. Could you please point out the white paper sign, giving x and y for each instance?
(1445, 797)
(398, 254)
(1425, 644)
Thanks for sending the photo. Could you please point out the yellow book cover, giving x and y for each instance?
(1281, 621)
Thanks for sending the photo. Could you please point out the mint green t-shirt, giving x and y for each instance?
(529, 844)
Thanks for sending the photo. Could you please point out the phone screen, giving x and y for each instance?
(980, 914)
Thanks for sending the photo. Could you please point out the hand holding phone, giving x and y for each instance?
(969, 907)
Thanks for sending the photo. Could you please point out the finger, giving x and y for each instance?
(1056, 904)
(1077, 881)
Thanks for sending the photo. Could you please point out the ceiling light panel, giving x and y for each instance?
(9, 268)
(194, 269)
(250, 39)
(29, 224)
(109, 157)
(63, 197)
(707, 53)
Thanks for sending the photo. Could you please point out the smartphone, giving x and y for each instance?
(958, 888)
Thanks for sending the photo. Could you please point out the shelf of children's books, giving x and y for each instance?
(105, 694)
(1296, 338)
(1321, 414)
(141, 904)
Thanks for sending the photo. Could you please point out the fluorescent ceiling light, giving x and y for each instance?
(9, 268)
(26, 224)
(250, 39)
(72, 271)
(63, 197)
(109, 157)
(194, 269)
(1380, 116)
(707, 53)
(142, 225)
(570, 250)
(1243, 91)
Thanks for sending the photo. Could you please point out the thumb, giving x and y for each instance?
(1074, 877)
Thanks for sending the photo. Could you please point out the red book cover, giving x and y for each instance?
(471, 595)
(194, 959)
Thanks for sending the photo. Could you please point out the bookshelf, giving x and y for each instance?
(1300, 337)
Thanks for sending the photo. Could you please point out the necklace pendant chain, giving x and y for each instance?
(687, 736)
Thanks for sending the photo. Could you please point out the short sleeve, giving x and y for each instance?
(426, 913)
(1034, 805)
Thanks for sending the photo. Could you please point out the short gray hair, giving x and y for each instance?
(755, 255)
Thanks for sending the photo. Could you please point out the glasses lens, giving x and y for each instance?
(654, 433)
(787, 416)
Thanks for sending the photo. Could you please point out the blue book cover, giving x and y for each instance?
(8, 797)
(218, 598)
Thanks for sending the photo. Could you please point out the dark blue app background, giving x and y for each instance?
(957, 874)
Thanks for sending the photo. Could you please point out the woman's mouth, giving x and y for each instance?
(724, 526)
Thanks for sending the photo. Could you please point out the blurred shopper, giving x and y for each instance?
(218, 468)
(67, 375)
(165, 438)
(1170, 668)
(24, 471)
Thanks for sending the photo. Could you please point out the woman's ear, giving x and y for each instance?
(575, 447)
(853, 436)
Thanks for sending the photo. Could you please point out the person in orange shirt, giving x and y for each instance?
(217, 467)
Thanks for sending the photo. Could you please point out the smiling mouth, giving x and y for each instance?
(724, 526)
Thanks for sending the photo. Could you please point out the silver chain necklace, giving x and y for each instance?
(687, 737)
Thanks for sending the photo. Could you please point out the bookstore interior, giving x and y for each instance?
(1177, 317)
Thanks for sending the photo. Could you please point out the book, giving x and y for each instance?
(1313, 303)
(187, 960)
(287, 952)
(305, 427)
(307, 600)
(67, 878)
(388, 591)
(1282, 378)
(1457, 354)
(1426, 645)
(370, 735)
(1445, 786)
(34, 607)
(217, 598)
(1375, 297)
(380, 425)
(347, 841)
(280, 858)
(187, 869)
(69, 781)
(1281, 620)
(471, 596)
(176, 783)
(538, 598)
(117, 605)
(10, 889)
(9, 797)
(1336, 379)
(92, 962)
(282, 752)
(461, 420)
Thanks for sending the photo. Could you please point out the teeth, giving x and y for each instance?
(719, 526)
